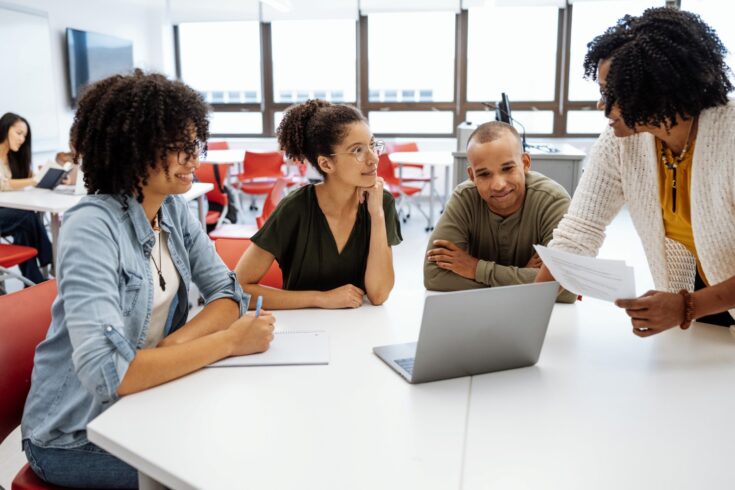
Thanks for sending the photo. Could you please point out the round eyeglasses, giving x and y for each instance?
(361, 152)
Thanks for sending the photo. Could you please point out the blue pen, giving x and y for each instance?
(258, 306)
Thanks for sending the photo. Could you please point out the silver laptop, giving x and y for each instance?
(474, 332)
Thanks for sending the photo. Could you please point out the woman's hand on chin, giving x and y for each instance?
(374, 196)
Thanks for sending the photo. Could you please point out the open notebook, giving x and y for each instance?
(287, 348)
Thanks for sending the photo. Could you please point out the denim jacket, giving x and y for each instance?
(101, 316)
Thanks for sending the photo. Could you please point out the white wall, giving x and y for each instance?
(145, 22)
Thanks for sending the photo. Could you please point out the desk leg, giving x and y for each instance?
(445, 198)
(145, 482)
(55, 226)
(430, 219)
(202, 214)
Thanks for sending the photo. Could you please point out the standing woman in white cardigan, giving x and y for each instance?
(669, 155)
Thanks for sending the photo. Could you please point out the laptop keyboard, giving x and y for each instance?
(406, 364)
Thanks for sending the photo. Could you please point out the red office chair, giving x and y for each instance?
(408, 146)
(260, 172)
(222, 145)
(271, 202)
(215, 173)
(231, 250)
(12, 255)
(21, 330)
(398, 187)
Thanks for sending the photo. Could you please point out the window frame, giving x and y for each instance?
(560, 105)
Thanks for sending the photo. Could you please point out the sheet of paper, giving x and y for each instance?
(288, 348)
(597, 278)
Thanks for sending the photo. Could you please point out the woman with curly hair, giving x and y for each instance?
(332, 240)
(669, 155)
(127, 254)
(26, 227)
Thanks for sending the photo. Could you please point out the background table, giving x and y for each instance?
(55, 203)
(431, 159)
(602, 409)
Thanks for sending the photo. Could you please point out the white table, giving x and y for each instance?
(602, 409)
(55, 203)
(351, 424)
(431, 159)
(225, 156)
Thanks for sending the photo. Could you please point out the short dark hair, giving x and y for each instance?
(124, 126)
(665, 62)
(18, 161)
(490, 131)
(315, 128)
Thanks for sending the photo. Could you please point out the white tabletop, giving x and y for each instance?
(602, 409)
(45, 200)
(351, 424)
(224, 156)
(440, 158)
(605, 409)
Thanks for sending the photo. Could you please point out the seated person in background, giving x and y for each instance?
(486, 234)
(128, 253)
(26, 227)
(332, 240)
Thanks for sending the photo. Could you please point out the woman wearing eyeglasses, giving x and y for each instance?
(128, 253)
(332, 240)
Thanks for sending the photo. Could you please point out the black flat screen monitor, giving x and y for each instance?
(92, 56)
(502, 109)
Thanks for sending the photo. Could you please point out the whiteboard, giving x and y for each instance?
(26, 73)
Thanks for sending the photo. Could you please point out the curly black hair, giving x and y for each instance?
(665, 62)
(315, 128)
(125, 125)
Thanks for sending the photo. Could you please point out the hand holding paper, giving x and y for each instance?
(598, 278)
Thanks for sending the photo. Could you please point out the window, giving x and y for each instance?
(716, 13)
(411, 122)
(534, 122)
(235, 123)
(411, 57)
(512, 50)
(314, 59)
(590, 19)
(586, 122)
(221, 60)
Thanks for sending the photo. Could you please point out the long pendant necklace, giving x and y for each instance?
(673, 163)
(161, 280)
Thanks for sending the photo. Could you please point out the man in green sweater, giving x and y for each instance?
(486, 234)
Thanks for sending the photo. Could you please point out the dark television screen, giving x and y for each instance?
(92, 56)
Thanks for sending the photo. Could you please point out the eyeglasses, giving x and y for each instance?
(361, 152)
(188, 151)
(604, 96)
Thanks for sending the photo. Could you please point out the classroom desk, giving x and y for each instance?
(55, 203)
(351, 424)
(601, 409)
(234, 157)
(431, 159)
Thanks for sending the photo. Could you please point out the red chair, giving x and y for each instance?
(230, 250)
(221, 145)
(260, 172)
(271, 202)
(21, 330)
(12, 255)
(408, 146)
(216, 174)
(401, 191)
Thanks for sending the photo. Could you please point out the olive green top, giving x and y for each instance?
(299, 237)
(503, 245)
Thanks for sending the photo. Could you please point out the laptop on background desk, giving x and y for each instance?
(474, 332)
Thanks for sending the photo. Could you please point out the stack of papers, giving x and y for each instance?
(597, 278)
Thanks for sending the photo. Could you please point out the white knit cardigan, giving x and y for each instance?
(623, 171)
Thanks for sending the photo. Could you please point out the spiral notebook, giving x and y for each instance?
(289, 347)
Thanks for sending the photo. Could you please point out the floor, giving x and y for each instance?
(621, 243)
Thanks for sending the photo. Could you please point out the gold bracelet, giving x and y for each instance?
(688, 309)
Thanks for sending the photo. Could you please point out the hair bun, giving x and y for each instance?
(291, 132)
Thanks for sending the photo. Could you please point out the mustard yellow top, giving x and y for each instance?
(677, 218)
